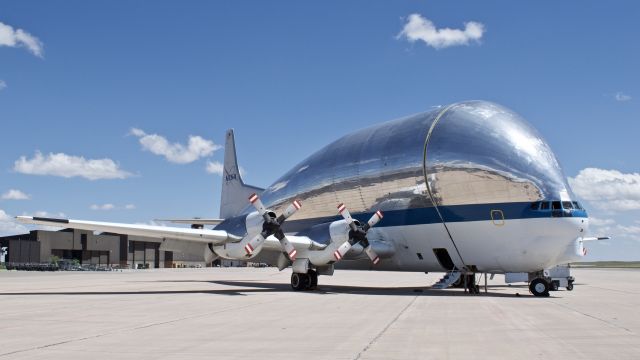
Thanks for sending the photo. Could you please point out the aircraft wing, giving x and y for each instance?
(216, 237)
(194, 221)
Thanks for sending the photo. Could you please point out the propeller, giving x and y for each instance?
(358, 234)
(272, 226)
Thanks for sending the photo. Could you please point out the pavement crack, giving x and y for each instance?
(594, 317)
(384, 330)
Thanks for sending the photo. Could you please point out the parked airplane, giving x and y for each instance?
(466, 188)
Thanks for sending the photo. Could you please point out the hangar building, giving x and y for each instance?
(133, 252)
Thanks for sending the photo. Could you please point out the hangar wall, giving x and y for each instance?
(39, 246)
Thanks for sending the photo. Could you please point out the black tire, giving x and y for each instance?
(313, 280)
(570, 286)
(299, 281)
(539, 287)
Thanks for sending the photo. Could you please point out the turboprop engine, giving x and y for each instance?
(344, 235)
(260, 225)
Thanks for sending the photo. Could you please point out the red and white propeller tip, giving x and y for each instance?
(254, 199)
(375, 218)
(288, 248)
(292, 208)
(342, 209)
(341, 251)
(372, 255)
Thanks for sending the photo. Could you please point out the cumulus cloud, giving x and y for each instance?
(67, 166)
(19, 38)
(14, 194)
(215, 167)
(109, 206)
(102, 207)
(423, 29)
(620, 96)
(594, 221)
(3, 85)
(8, 225)
(196, 148)
(608, 189)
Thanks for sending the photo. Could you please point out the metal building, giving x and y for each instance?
(41, 246)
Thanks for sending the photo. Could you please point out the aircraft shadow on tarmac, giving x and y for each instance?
(243, 288)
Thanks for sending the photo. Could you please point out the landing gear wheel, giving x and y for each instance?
(313, 279)
(554, 286)
(539, 287)
(299, 281)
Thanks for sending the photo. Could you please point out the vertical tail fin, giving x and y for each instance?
(234, 192)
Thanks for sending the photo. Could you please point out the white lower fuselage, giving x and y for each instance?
(520, 245)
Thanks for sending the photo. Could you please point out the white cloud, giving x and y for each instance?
(46, 214)
(215, 167)
(42, 213)
(620, 96)
(593, 221)
(69, 166)
(109, 206)
(19, 38)
(421, 28)
(608, 189)
(3, 85)
(8, 225)
(105, 207)
(197, 147)
(13, 194)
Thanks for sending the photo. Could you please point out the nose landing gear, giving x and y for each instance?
(539, 287)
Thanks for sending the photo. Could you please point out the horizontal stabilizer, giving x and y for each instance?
(596, 238)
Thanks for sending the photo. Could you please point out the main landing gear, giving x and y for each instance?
(308, 281)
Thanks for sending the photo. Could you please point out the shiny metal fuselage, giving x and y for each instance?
(460, 178)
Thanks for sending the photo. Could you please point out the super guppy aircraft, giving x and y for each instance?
(466, 188)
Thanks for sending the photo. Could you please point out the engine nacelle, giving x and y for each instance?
(339, 233)
(253, 223)
(237, 251)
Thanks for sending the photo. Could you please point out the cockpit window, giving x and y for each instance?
(544, 205)
(535, 205)
(555, 205)
(567, 205)
(576, 205)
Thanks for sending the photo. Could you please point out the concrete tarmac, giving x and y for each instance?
(252, 313)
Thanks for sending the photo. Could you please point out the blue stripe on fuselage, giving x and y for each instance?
(452, 213)
(420, 216)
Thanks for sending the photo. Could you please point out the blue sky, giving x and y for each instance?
(76, 77)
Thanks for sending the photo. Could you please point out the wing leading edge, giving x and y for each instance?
(216, 237)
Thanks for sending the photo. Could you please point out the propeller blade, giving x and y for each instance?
(257, 203)
(339, 254)
(288, 248)
(291, 209)
(342, 209)
(374, 220)
(254, 244)
(372, 255)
